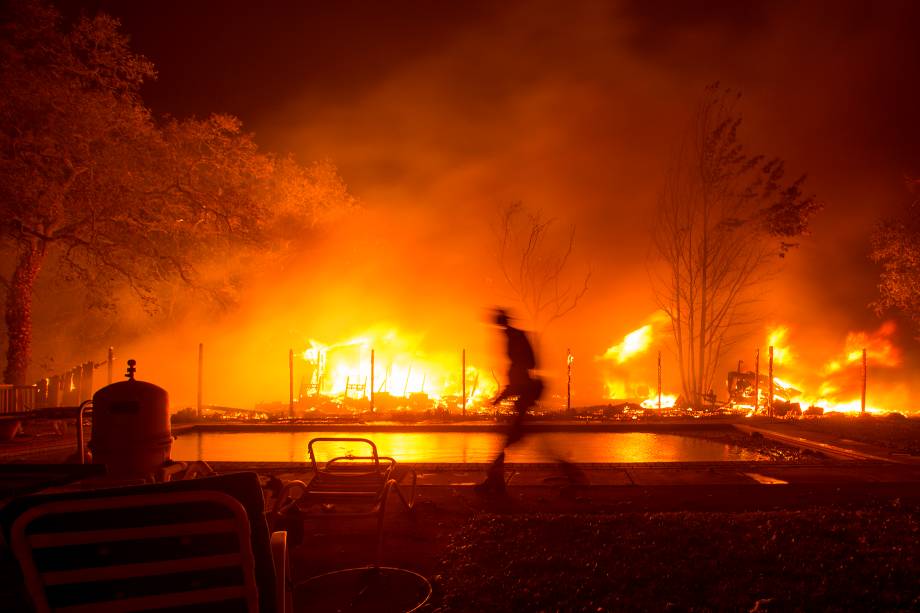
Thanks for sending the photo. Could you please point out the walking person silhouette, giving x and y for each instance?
(524, 386)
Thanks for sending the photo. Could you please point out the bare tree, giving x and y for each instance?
(723, 220)
(534, 261)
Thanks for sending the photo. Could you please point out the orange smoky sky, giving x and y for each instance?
(439, 113)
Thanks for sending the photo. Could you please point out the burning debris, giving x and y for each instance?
(385, 371)
(782, 382)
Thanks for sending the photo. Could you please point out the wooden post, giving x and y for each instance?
(770, 399)
(111, 364)
(463, 383)
(291, 383)
(865, 380)
(76, 383)
(200, 376)
(373, 410)
(88, 370)
(568, 379)
(756, 380)
(659, 380)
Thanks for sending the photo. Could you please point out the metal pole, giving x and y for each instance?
(200, 375)
(111, 363)
(770, 399)
(291, 383)
(81, 447)
(865, 377)
(568, 379)
(659, 381)
(463, 383)
(372, 382)
(756, 380)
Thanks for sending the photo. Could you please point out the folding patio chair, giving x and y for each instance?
(190, 545)
(345, 486)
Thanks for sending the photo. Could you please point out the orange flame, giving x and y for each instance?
(836, 386)
(633, 344)
(401, 369)
(879, 348)
(636, 342)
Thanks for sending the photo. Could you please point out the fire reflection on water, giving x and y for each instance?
(582, 447)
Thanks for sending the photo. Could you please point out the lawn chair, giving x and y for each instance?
(190, 545)
(346, 486)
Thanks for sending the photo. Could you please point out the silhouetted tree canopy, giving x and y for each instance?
(896, 247)
(93, 186)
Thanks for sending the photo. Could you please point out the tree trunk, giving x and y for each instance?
(19, 314)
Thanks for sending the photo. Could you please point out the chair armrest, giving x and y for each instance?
(281, 561)
(281, 502)
(167, 472)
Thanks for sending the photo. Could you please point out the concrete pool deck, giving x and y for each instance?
(632, 476)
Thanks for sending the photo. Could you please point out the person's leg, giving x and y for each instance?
(495, 479)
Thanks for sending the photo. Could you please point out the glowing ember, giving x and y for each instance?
(667, 401)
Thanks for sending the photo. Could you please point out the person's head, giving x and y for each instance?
(501, 318)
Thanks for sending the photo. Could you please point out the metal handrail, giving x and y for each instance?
(81, 449)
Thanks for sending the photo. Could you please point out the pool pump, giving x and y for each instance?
(131, 428)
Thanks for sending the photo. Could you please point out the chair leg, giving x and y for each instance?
(380, 516)
(409, 504)
(282, 563)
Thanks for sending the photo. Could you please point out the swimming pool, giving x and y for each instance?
(459, 447)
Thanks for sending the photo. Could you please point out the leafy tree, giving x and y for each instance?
(723, 220)
(896, 247)
(91, 184)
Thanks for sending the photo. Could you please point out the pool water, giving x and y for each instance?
(458, 447)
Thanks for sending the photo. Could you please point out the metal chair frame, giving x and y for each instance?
(363, 481)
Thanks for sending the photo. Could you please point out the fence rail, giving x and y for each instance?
(67, 389)
(18, 398)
